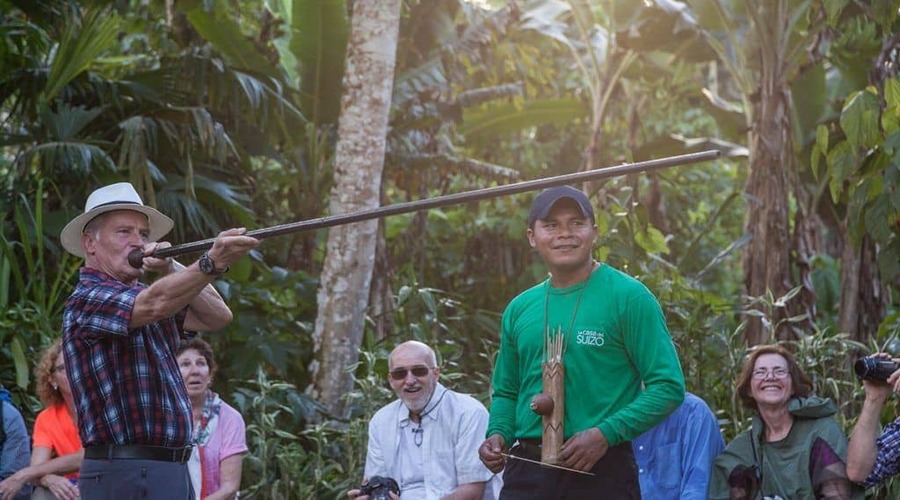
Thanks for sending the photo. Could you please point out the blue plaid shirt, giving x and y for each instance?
(887, 461)
(126, 383)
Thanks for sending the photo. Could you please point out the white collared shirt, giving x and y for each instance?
(411, 459)
(451, 433)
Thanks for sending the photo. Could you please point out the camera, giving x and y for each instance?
(874, 368)
(377, 488)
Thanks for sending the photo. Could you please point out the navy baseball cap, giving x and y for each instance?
(544, 201)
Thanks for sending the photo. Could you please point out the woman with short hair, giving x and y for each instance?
(219, 434)
(794, 448)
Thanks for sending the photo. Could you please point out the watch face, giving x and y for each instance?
(206, 265)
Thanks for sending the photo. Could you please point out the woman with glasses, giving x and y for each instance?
(219, 435)
(56, 453)
(794, 448)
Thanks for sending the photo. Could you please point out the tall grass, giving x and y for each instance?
(35, 279)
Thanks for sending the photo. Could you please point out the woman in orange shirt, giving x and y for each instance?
(57, 452)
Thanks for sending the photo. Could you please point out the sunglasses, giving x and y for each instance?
(417, 371)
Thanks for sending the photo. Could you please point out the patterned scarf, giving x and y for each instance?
(209, 419)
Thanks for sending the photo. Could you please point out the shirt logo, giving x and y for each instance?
(589, 337)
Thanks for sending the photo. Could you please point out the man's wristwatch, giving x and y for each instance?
(207, 266)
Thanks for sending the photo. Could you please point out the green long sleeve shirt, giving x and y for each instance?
(616, 339)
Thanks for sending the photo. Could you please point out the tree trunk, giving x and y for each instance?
(381, 295)
(805, 246)
(863, 297)
(766, 259)
(359, 161)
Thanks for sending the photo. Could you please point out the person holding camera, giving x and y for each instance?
(872, 459)
(425, 444)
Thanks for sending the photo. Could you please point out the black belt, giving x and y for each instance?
(528, 448)
(138, 452)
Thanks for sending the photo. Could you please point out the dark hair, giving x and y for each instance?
(800, 382)
(202, 347)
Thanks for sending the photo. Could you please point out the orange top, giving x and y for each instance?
(54, 429)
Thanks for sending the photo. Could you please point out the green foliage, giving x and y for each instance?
(83, 42)
(859, 119)
(227, 119)
(291, 461)
(856, 46)
(272, 409)
(863, 168)
(318, 42)
(515, 116)
(454, 330)
(273, 314)
(218, 28)
(35, 278)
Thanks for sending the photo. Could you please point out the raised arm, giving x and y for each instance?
(189, 287)
(862, 450)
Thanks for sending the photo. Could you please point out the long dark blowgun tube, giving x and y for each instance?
(135, 258)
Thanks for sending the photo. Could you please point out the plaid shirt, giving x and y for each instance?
(887, 461)
(126, 384)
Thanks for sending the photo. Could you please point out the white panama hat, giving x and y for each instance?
(119, 196)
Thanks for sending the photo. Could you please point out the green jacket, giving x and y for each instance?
(809, 463)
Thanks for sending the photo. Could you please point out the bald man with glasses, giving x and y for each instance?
(427, 440)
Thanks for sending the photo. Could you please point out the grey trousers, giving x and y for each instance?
(134, 479)
(41, 493)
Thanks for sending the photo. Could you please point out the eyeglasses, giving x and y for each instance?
(417, 371)
(776, 373)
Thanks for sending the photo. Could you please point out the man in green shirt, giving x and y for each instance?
(615, 340)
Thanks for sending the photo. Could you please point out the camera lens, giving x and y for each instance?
(874, 368)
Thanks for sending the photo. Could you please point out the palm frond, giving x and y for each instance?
(67, 122)
(199, 209)
(319, 33)
(133, 148)
(237, 99)
(510, 117)
(81, 44)
(225, 35)
(68, 158)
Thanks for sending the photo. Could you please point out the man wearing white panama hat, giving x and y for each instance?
(119, 340)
